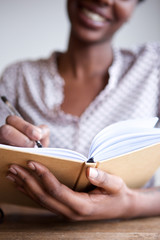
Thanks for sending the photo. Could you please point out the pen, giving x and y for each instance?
(13, 111)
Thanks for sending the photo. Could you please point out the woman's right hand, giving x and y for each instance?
(18, 132)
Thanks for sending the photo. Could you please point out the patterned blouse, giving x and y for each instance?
(36, 90)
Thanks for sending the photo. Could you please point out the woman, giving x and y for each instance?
(77, 93)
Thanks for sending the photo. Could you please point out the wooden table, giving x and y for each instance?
(29, 225)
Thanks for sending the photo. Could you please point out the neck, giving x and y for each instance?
(85, 60)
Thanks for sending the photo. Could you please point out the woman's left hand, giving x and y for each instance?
(111, 199)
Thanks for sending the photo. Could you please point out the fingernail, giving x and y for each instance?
(37, 133)
(93, 173)
(31, 166)
(10, 178)
(12, 170)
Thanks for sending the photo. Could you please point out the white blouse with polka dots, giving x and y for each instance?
(36, 90)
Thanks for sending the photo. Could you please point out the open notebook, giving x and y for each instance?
(129, 149)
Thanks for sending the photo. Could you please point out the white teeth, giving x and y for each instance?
(93, 16)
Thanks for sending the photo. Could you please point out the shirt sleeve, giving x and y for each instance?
(8, 88)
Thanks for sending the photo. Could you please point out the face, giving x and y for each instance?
(98, 20)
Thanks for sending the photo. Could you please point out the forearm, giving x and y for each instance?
(145, 202)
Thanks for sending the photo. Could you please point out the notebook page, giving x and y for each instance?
(121, 128)
(125, 147)
(139, 136)
(55, 152)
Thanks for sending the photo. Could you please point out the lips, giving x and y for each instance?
(96, 12)
(93, 16)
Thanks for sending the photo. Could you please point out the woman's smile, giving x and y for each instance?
(93, 15)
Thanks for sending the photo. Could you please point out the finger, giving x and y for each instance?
(45, 135)
(32, 132)
(29, 185)
(17, 182)
(112, 184)
(11, 136)
(14, 177)
(78, 202)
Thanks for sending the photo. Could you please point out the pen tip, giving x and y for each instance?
(4, 99)
(39, 144)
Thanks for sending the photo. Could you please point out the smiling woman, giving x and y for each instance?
(73, 95)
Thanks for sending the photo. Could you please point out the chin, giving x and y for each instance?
(89, 36)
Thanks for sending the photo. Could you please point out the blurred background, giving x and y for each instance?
(33, 29)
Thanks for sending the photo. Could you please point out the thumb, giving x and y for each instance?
(112, 184)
